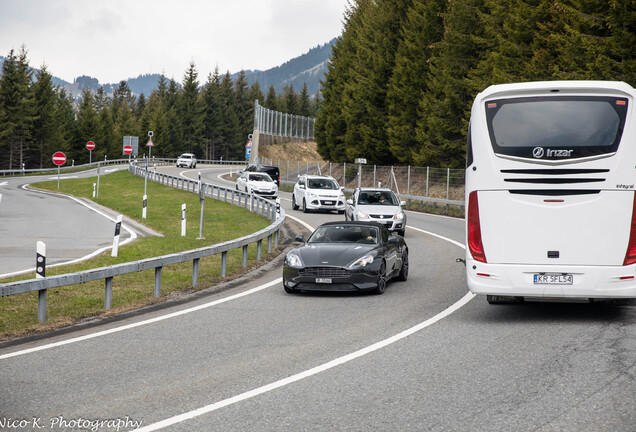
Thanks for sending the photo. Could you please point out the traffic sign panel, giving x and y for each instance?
(90, 145)
(150, 143)
(128, 149)
(59, 158)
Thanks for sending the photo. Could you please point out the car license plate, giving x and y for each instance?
(323, 280)
(553, 279)
(329, 203)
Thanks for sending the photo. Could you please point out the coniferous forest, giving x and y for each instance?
(404, 73)
(211, 119)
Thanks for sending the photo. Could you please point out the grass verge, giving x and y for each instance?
(122, 192)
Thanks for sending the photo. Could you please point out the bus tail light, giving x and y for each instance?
(630, 256)
(475, 244)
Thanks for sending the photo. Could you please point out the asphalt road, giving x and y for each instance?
(424, 356)
(72, 229)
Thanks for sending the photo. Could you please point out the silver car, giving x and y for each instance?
(377, 205)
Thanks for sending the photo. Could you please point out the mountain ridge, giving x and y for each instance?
(307, 68)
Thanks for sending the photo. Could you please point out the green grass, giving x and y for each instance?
(123, 193)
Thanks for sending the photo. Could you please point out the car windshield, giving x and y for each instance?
(260, 177)
(322, 184)
(186, 157)
(378, 198)
(345, 234)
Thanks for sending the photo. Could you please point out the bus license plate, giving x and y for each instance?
(549, 279)
(323, 280)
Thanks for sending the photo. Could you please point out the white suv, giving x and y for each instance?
(316, 192)
(187, 160)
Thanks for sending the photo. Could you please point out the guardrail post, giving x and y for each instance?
(244, 256)
(42, 306)
(269, 244)
(259, 245)
(108, 293)
(195, 272)
(276, 234)
(223, 264)
(158, 281)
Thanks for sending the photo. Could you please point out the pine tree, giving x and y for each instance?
(213, 115)
(87, 127)
(304, 104)
(45, 130)
(191, 113)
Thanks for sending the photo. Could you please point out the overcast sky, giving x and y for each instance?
(113, 40)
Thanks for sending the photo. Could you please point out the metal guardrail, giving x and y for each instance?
(253, 203)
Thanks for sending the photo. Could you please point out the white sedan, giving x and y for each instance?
(257, 183)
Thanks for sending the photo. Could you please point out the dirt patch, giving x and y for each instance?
(296, 151)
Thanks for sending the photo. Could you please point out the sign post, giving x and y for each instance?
(59, 159)
(90, 146)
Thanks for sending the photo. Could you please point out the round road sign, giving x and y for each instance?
(59, 158)
(127, 149)
(90, 145)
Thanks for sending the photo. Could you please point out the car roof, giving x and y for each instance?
(369, 189)
(187, 154)
(314, 176)
(353, 223)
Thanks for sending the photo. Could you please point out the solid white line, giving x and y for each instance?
(141, 323)
(310, 372)
(439, 237)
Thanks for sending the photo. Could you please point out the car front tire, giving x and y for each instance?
(305, 209)
(381, 282)
(404, 271)
(294, 205)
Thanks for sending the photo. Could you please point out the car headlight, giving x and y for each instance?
(362, 262)
(361, 215)
(293, 260)
(399, 216)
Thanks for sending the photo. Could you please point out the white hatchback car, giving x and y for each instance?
(316, 192)
(259, 183)
(187, 160)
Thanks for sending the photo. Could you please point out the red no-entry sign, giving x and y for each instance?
(128, 149)
(90, 145)
(59, 158)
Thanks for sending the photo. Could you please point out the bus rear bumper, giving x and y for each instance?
(602, 282)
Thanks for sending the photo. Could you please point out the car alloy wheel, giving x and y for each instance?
(294, 205)
(381, 283)
(404, 271)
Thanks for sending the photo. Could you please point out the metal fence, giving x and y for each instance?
(270, 122)
(424, 184)
(252, 203)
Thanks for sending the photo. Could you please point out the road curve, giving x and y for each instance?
(253, 358)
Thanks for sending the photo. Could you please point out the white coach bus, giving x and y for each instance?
(550, 183)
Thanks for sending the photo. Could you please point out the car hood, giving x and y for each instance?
(380, 209)
(259, 185)
(332, 254)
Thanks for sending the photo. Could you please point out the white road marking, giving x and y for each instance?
(64, 177)
(141, 323)
(310, 372)
(4, 183)
(133, 235)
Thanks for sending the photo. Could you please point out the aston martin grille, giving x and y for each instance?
(324, 272)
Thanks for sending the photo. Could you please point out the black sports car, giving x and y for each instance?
(346, 256)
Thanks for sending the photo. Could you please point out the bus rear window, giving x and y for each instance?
(556, 128)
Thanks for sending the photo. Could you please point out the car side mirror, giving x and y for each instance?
(301, 186)
(402, 203)
(300, 238)
(342, 188)
(393, 239)
(350, 201)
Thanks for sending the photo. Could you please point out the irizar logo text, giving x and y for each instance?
(539, 152)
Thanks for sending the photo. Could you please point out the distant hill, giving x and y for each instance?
(308, 68)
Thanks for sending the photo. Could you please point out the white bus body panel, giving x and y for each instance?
(588, 232)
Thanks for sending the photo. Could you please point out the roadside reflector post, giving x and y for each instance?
(40, 272)
(116, 238)
(183, 220)
(145, 203)
(94, 189)
(202, 187)
(277, 208)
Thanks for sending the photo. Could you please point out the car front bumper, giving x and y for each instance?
(330, 278)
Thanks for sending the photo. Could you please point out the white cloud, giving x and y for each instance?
(119, 39)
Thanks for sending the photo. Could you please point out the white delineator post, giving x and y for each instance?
(116, 238)
(183, 220)
(145, 203)
(40, 272)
